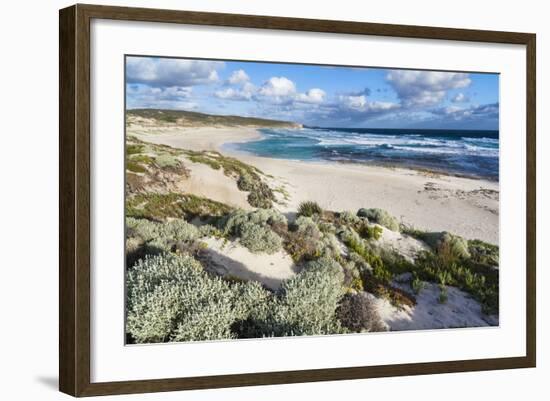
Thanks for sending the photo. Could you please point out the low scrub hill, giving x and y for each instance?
(193, 119)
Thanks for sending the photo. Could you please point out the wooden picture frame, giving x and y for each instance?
(74, 199)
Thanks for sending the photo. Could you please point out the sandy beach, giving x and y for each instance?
(464, 206)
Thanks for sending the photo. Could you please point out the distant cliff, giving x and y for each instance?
(145, 117)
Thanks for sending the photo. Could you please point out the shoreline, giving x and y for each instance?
(227, 150)
(423, 199)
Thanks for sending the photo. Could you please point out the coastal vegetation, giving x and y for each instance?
(183, 118)
(342, 263)
(151, 165)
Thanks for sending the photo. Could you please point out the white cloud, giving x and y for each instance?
(364, 105)
(314, 95)
(245, 93)
(481, 112)
(142, 96)
(238, 77)
(164, 72)
(425, 88)
(278, 87)
(460, 98)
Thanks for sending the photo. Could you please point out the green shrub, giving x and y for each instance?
(447, 245)
(156, 206)
(395, 262)
(348, 218)
(326, 227)
(262, 196)
(358, 313)
(484, 253)
(135, 167)
(247, 182)
(443, 294)
(369, 231)
(349, 235)
(208, 230)
(259, 238)
(358, 246)
(148, 160)
(417, 285)
(482, 282)
(309, 209)
(381, 217)
(133, 149)
(167, 161)
(360, 263)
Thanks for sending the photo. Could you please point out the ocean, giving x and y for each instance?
(459, 152)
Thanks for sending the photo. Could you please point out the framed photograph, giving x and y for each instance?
(250, 200)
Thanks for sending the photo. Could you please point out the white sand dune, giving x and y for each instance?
(405, 245)
(213, 184)
(234, 260)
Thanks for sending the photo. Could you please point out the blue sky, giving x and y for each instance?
(316, 95)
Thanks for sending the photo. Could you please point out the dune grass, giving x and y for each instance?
(156, 206)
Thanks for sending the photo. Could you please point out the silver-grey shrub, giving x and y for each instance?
(329, 246)
(142, 228)
(254, 229)
(307, 225)
(259, 239)
(349, 218)
(262, 217)
(171, 298)
(307, 302)
(174, 230)
(381, 217)
(208, 230)
(178, 230)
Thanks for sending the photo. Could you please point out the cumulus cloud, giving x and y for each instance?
(460, 98)
(278, 87)
(425, 88)
(164, 72)
(314, 95)
(276, 91)
(362, 104)
(238, 77)
(347, 110)
(246, 92)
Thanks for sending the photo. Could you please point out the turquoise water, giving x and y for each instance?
(471, 153)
